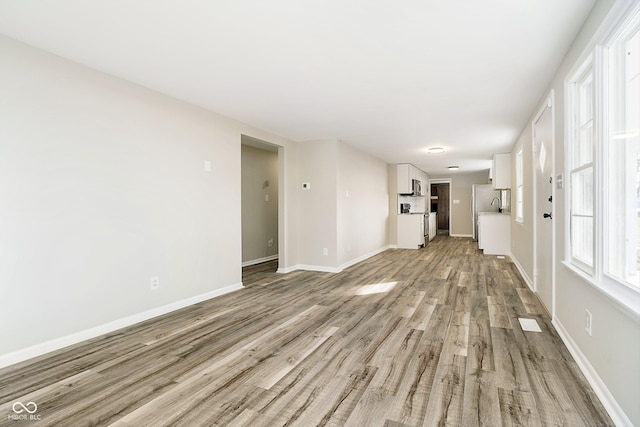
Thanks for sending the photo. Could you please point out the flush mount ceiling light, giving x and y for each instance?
(435, 150)
(453, 168)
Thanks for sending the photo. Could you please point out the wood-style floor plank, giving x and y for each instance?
(406, 338)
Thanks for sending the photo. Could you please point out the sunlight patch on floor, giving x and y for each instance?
(377, 288)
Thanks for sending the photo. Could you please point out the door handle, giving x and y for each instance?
(547, 215)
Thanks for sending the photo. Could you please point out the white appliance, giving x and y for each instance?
(483, 199)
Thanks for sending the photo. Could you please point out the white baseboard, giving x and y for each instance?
(363, 257)
(259, 260)
(307, 267)
(325, 269)
(599, 387)
(320, 268)
(460, 235)
(524, 275)
(58, 343)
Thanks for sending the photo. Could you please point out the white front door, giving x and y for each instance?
(543, 130)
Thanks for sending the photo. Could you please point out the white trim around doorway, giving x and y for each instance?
(443, 181)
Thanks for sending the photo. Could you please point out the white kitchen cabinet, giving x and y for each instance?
(406, 173)
(501, 171)
(494, 233)
(404, 178)
(410, 231)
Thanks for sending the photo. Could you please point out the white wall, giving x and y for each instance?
(102, 186)
(317, 220)
(363, 200)
(348, 227)
(392, 206)
(522, 233)
(613, 350)
(259, 216)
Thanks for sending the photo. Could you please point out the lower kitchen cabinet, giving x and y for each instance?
(410, 231)
(494, 233)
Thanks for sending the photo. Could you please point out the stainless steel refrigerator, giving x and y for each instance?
(482, 195)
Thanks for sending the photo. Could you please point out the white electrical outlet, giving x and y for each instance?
(588, 321)
(325, 251)
(266, 197)
(155, 283)
(270, 242)
(207, 166)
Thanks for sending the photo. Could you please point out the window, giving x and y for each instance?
(581, 171)
(519, 187)
(622, 156)
(602, 162)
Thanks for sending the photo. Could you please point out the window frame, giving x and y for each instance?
(614, 285)
(573, 97)
(625, 294)
(519, 186)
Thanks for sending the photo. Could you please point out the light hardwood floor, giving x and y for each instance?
(405, 338)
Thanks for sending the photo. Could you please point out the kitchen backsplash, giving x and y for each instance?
(418, 203)
(505, 200)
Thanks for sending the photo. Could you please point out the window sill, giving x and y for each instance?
(624, 296)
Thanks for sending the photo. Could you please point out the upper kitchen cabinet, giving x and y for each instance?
(501, 171)
(404, 179)
(406, 174)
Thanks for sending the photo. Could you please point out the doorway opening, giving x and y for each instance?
(440, 202)
(260, 212)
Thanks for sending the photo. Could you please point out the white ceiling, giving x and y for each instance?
(389, 77)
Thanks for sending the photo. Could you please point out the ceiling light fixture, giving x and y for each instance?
(453, 168)
(435, 150)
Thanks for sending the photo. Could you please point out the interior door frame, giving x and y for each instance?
(441, 181)
(548, 104)
(256, 142)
